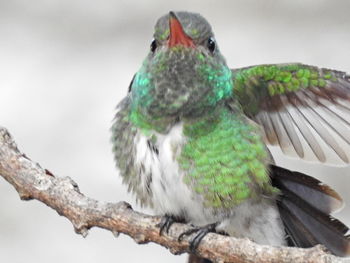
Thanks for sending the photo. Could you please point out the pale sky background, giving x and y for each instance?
(65, 64)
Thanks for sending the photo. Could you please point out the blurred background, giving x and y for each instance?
(65, 64)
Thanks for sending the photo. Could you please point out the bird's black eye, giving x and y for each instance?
(211, 44)
(153, 45)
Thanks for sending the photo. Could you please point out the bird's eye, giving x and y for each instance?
(211, 44)
(153, 45)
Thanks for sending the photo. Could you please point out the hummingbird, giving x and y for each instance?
(191, 137)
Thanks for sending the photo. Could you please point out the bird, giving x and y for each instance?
(191, 141)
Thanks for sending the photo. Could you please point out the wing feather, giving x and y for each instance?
(281, 133)
(317, 125)
(287, 122)
(301, 124)
(264, 119)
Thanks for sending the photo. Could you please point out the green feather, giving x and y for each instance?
(223, 157)
(254, 84)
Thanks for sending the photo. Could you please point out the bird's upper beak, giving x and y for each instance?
(177, 34)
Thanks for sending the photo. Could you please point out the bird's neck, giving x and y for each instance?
(163, 124)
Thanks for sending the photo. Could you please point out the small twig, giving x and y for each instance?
(63, 195)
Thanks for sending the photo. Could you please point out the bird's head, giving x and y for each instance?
(184, 73)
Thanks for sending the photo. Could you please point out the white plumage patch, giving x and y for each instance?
(170, 195)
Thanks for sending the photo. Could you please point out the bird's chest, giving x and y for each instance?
(197, 171)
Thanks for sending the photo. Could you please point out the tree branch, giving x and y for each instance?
(63, 195)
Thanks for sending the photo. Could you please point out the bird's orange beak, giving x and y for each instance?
(177, 35)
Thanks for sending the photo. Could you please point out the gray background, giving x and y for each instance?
(65, 64)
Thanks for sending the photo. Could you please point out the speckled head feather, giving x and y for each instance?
(180, 80)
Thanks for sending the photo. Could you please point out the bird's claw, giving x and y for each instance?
(201, 232)
(166, 222)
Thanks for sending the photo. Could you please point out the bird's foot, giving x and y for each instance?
(166, 222)
(201, 232)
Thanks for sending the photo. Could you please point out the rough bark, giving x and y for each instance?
(62, 194)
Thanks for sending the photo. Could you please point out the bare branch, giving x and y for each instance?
(63, 195)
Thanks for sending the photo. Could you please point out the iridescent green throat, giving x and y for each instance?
(224, 159)
(177, 83)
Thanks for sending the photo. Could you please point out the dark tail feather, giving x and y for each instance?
(304, 205)
(311, 190)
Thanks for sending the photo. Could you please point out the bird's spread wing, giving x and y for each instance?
(303, 109)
